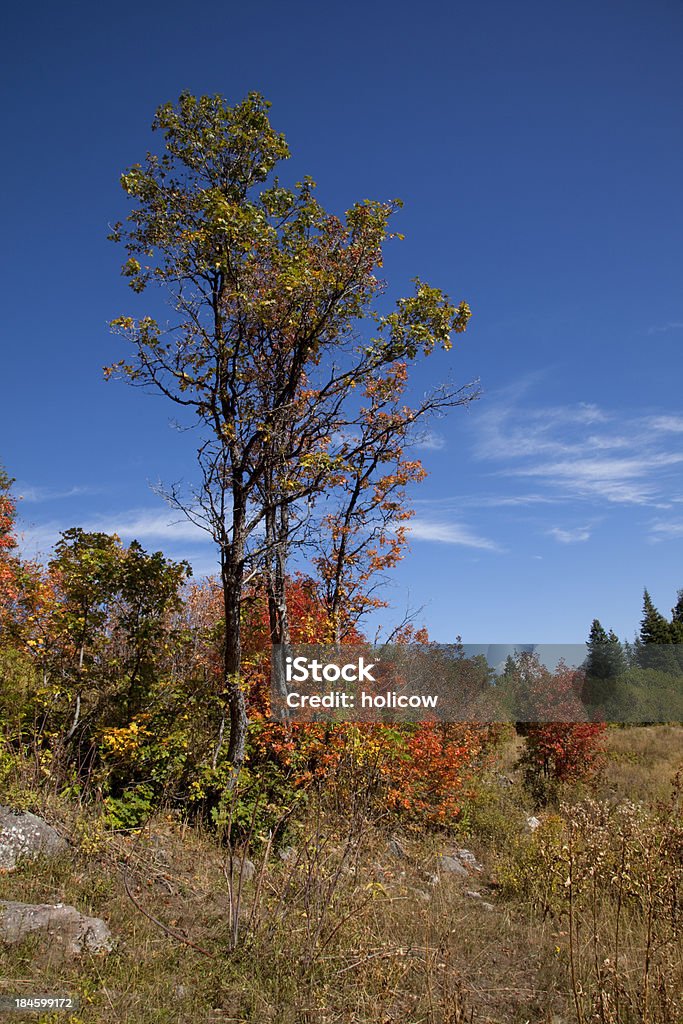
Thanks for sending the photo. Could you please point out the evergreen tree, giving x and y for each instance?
(605, 661)
(617, 654)
(597, 663)
(509, 669)
(655, 633)
(630, 651)
(654, 628)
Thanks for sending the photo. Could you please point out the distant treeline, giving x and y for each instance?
(638, 681)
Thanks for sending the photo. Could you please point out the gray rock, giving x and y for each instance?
(26, 836)
(452, 866)
(287, 854)
(61, 923)
(467, 858)
(473, 895)
(532, 823)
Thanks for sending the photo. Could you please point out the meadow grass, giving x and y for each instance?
(584, 924)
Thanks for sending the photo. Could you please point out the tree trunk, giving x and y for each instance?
(277, 526)
(232, 573)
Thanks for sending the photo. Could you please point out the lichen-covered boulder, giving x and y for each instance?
(26, 836)
(62, 924)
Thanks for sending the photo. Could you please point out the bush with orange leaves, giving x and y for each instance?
(556, 752)
(417, 771)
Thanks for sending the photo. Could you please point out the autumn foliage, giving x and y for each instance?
(8, 543)
(566, 751)
(127, 670)
(561, 745)
(416, 771)
(126, 658)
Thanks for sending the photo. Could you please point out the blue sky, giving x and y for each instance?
(539, 155)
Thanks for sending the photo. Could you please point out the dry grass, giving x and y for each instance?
(342, 933)
(346, 932)
(642, 762)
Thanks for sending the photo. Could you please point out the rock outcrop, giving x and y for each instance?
(452, 866)
(26, 836)
(62, 924)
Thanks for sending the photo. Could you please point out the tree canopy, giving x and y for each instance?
(279, 348)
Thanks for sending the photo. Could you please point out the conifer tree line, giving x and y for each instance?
(608, 656)
(638, 681)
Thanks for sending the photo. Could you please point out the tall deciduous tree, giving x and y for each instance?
(109, 615)
(276, 349)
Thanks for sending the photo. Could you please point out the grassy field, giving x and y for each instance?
(576, 921)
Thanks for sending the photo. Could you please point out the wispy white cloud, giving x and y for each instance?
(666, 424)
(663, 529)
(149, 524)
(576, 536)
(154, 526)
(672, 325)
(38, 495)
(455, 503)
(38, 540)
(582, 451)
(628, 480)
(146, 525)
(614, 442)
(450, 533)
